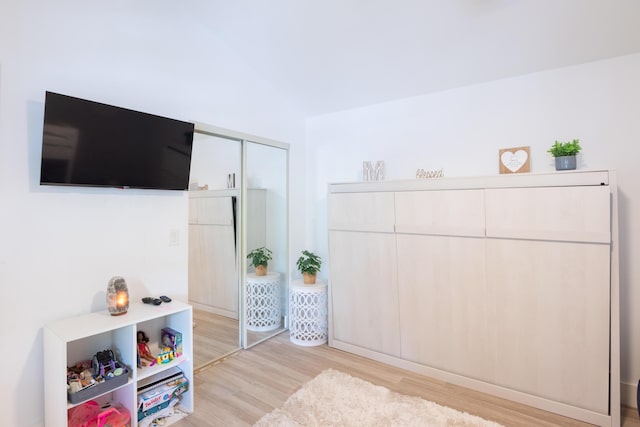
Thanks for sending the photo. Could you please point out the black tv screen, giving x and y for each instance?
(86, 143)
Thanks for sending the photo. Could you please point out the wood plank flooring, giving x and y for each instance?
(213, 337)
(216, 336)
(240, 389)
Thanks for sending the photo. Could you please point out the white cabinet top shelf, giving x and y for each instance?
(74, 328)
(549, 179)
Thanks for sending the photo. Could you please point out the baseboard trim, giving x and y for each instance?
(566, 410)
(215, 310)
(628, 395)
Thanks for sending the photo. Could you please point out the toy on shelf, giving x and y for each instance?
(80, 376)
(172, 339)
(105, 365)
(91, 413)
(144, 353)
(157, 398)
(166, 355)
(91, 378)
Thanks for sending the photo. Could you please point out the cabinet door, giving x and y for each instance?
(441, 212)
(193, 210)
(214, 210)
(361, 212)
(441, 279)
(579, 214)
(213, 278)
(443, 300)
(549, 307)
(364, 290)
(548, 274)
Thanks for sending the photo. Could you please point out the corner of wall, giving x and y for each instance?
(628, 395)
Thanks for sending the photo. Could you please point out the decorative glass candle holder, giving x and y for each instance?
(117, 296)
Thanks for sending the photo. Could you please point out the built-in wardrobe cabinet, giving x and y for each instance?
(213, 270)
(505, 284)
(213, 267)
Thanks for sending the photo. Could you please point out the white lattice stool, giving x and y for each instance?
(308, 313)
(263, 302)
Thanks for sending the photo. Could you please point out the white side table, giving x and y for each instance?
(308, 313)
(263, 302)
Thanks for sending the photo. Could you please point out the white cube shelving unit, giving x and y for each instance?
(74, 339)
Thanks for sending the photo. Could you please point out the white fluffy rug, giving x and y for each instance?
(336, 399)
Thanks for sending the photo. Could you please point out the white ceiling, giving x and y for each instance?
(332, 55)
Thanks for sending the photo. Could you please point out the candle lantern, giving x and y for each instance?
(117, 296)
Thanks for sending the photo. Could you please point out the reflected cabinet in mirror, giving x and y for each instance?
(213, 247)
(266, 219)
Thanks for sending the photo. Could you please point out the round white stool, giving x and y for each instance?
(308, 313)
(263, 302)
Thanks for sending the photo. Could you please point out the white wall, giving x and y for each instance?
(462, 130)
(213, 159)
(266, 168)
(60, 246)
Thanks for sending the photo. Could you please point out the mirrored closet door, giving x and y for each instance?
(238, 202)
(214, 249)
(266, 216)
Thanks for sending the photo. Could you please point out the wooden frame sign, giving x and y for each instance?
(514, 160)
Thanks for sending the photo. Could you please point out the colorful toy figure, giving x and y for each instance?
(172, 338)
(166, 356)
(103, 363)
(143, 349)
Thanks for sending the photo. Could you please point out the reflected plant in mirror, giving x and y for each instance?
(265, 206)
(309, 264)
(260, 258)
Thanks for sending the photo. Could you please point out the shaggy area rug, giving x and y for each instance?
(334, 398)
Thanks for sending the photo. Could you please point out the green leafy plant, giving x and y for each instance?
(560, 149)
(260, 256)
(309, 263)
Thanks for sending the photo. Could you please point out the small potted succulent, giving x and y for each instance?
(260, 259)
(309, 265)
(565, 154)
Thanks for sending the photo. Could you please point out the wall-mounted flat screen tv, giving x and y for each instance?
(87, 143)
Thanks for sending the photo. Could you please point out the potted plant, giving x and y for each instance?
(259, 259)
(309, 265)
(565, 154)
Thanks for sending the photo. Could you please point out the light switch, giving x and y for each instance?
(174, 237)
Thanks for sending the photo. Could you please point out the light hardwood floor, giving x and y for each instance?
(216, 336)
(240, 389)
(213, 336)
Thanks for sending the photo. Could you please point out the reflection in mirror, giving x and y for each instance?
(266, 226)
(213, 249)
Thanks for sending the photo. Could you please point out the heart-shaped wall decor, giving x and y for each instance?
(514, 161)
